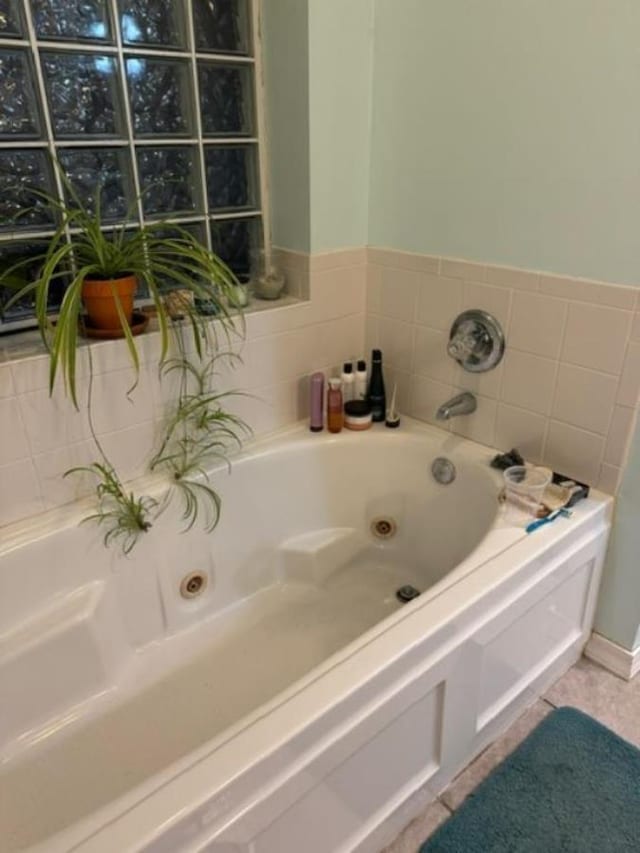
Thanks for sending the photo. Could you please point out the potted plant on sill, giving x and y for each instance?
(103, 266)
(106, 265)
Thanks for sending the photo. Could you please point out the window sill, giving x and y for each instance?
(17, 346)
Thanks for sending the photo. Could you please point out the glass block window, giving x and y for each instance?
(152, 101)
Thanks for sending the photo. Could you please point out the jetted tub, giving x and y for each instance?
(295, 704)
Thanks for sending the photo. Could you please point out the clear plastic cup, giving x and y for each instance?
(524, 483)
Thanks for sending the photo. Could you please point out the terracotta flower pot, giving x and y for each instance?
(100, 304)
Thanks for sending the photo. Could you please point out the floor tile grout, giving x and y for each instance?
(442, 803)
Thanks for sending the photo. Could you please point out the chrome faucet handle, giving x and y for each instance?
(469, 340)
(476, 341)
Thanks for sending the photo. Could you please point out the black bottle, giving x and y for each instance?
(375, 394)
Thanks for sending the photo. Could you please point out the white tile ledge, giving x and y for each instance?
(19, 346)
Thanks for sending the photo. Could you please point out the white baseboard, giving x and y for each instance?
(613, 657)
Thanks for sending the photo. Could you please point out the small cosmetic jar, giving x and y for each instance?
(357, 415)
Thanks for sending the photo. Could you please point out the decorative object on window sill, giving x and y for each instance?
(270, 286)
(240, 295)
(100, 298)
(163, 256)
(268, 280)
(179, 303)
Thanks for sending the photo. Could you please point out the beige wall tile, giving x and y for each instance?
(13, 443)
(338, 292)
(488, 384)
(405, 304)
(374, 289)
(32, 374)
(596, 337)
(583, 290)
(430, 355)
(52, 422)
(619, 435)
(629, 388)
(495, 300)
(403, 260)
(480, 426)
(371, 335)
(336, 260)
(584, 398)
(452, 268)
(439, 301)
(23, 498)
(574, 452)
(277, 320)
(529, 381)
(399, 293)
(130, 449)
(50, 467)
(403, 380)
(396, 343)
(511, 277)
(520, 429)
(609, 480)
(338, 341)
(426, 396)
(537, 324)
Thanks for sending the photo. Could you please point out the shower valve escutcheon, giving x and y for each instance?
(476, 341)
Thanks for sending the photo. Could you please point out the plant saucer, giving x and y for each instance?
(139, 323)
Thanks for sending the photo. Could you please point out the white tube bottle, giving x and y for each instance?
(348, 382)
(361, 380)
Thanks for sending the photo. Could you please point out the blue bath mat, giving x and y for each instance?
(571, 787)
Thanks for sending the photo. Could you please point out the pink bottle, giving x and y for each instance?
(316, 403)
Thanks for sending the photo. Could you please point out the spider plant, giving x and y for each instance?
(200, 432)
(160, 255)
(125, 515)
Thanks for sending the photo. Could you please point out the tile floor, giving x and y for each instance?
(587, 686)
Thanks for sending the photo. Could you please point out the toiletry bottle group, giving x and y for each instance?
(354, 400)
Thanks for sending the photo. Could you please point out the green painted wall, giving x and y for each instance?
(508, 131)
(317, 57)
(340, 76)
(285, 36)
(618, 613)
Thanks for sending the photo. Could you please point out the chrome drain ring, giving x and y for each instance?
(383, 527)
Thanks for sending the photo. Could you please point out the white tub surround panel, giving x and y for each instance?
(317, 328)
(566, 393)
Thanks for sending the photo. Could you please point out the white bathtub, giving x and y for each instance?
(296, 704)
